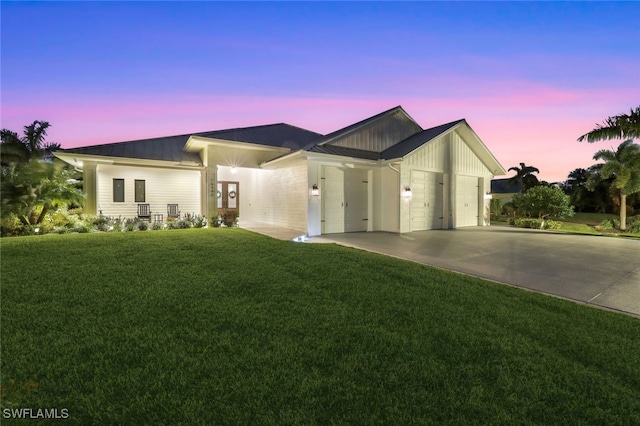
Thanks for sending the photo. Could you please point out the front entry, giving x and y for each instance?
(228, 200)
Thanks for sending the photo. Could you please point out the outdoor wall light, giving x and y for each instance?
(488, 196)
(315, 191)
(407, 192)
(234, 170)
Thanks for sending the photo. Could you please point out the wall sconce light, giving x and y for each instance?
(234, 170)
(315, 191)
(488, 196)
(407, 192)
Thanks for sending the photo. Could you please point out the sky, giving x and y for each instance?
(529, 77)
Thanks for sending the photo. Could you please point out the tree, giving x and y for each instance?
(623, 165)
(622, 126)
(524, 175)
(544, 202)
(33, 189)
(19, 150)
(31, 185)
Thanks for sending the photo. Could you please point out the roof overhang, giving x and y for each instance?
(79, 160)
(479, 148)
(286, 160)
(475, 144)
(231, 153)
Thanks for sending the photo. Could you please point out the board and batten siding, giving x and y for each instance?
(452, 158)
(162, 187)
(278, 197)
(379, 135)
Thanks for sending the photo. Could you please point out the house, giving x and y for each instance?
(504, 189)
(385, 173)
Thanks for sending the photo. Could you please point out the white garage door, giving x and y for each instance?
(466, 201)
(356, 188)
(344, 200)
(426, 201)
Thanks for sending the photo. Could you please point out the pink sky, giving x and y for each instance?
(536, 126)
(529, 77)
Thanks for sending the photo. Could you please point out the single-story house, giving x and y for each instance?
(504, 189)
(384, 173)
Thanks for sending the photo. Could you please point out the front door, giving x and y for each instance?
(228, 200)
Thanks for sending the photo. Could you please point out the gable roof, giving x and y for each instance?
(414, 142)
(279, 135)
(398, 150)
(345, 152)
(171, 148)
(375, 133)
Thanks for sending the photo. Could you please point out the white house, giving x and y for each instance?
(384, 173)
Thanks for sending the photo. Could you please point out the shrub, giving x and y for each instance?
(143, 226)
(634, 227)
(129, 224)
(101, 223)
(544, 201)
(524, 222)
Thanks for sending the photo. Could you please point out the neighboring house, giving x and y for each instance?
(384, 173)
(504, 190)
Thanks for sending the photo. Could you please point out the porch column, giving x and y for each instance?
(90, 187)
(210, 192)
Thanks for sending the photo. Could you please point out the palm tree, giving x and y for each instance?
(35, 188)
(623, 165)
(19, 150)
(622, 126)
(524, 175)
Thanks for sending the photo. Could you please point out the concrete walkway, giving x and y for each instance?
(602, 271)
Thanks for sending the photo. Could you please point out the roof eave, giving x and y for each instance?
(78, 160)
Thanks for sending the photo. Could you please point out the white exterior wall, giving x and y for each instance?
(162, 186)
(450, 155)
(385, 200)
(278, 197)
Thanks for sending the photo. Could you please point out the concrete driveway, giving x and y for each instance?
(600, 271)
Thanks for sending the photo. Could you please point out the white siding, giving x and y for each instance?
(386, 196)
(278, 197)
(163, 186)
(462, 203)
(466, 162)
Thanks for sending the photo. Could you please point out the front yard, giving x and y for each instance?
(223, 326)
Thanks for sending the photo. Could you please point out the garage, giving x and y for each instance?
(427, 200)
(345, 200)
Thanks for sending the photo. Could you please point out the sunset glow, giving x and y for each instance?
(529, 78)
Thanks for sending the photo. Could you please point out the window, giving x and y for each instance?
(140, 191)
(118, 190)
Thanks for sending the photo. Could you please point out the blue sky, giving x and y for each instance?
(529, 77)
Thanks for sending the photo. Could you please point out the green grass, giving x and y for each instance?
(591, 218)
(222, 326)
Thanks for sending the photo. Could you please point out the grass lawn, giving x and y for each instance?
(222, 326)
